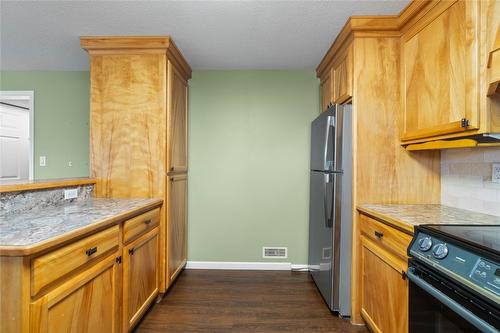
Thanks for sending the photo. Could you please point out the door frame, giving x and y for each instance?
(30, 94)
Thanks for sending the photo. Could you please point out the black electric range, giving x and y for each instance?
(454, 274)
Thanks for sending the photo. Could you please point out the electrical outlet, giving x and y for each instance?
(43, 160)
(71, 194)
(495, 175)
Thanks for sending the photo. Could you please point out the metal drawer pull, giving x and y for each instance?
(91, 251)
(378, 234)
(147, 222)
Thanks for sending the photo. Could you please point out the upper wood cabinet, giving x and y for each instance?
(336, 79)
(494, 66)
(140, 277)
(177, 224)
(138, 120)
(446, 73)
(177, 128)
(326, 92)
(439, 78)
(342, 76)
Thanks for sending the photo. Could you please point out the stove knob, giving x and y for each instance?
(440, 251)
(425, 244)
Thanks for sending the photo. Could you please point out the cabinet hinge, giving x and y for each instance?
(403, 275)
(119, 259)
(131, 251)
(465, 123)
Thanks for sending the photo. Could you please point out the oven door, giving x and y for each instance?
(438, 305)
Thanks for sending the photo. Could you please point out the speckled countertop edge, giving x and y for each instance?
(406, 217)
(130, 208)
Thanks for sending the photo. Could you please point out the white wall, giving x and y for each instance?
(466, 179)
(14, 141)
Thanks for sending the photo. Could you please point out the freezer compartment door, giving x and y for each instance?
(321, 227)
(323, 142)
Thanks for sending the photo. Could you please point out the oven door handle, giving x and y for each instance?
(450, 303)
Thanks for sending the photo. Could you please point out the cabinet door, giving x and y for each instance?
(440, 71)
(177, 121)
(342, 78)
(326, 90)
(177, 225)
(384, 299)
(86, 303)
(140, 277)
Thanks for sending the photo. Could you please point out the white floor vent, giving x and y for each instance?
(274, 252)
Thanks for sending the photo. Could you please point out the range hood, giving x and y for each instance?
(479, 140)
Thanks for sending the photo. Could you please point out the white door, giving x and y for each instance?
(14, 141)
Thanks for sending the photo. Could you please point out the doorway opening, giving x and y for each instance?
(16, 135)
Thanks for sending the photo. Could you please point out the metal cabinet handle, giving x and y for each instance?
(379, 234)
(147, 222)
(91, 251)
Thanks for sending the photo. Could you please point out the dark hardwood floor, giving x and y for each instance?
(243, 301)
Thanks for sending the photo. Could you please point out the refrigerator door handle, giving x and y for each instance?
(328, 212)
(329, 125)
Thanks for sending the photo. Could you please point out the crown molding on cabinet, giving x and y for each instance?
(375, 26)
(139, 44)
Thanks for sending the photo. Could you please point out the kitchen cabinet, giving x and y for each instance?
(446, 73)
(342, 76)
(86, 303)
(57, 264)
(384, 287)
(177, 122)
(140, 277)
(439, 71)
(138, 122)
(336, 80)
(101, 281)
(177, 224)
(326, 92)
(494, 66)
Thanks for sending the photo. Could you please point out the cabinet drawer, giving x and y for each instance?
(140, 224)
(56, 264)
(393, 239)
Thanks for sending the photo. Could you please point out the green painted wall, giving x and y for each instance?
(61, 119)
(248, 153)
(248, 163)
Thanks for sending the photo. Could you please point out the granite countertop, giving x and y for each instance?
(26, 232)
(408, 216)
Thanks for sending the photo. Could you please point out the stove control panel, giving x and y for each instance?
(460, 264)
(487, 274)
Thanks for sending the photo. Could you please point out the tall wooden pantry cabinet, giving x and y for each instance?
(138, 131)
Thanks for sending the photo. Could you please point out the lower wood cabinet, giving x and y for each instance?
(140, 277)
(87, 303)
(102, 282)
(384, 287)
(177, 224)
(384, 303)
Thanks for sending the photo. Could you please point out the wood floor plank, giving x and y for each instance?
(218, 301)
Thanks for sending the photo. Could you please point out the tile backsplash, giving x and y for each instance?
(466, 179)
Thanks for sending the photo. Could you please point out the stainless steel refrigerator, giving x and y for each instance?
(330, 209)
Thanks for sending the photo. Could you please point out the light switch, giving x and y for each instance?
(43, 160)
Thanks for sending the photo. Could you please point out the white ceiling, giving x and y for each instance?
(43, 35)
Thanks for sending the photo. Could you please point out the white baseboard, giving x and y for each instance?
(265, 266)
